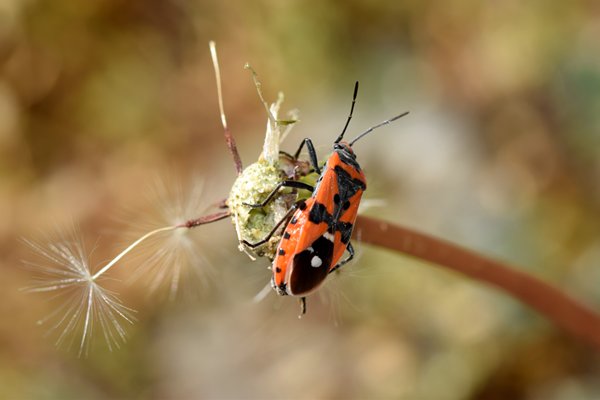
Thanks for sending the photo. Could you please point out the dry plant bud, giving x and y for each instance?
(258, 180)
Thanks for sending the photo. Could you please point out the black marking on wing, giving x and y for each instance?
(347, 186)
(318, 213)
(304, 276)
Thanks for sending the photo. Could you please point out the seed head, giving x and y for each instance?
(63, 270)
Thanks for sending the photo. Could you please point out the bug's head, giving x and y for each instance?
(344, 147)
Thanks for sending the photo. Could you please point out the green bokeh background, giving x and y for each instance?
(499, 154)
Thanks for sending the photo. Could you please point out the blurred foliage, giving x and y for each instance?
(500, 154)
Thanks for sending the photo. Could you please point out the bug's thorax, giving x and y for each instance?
(344, 158)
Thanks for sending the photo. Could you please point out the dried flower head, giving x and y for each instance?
(254, 184)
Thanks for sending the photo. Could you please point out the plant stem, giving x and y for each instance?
(129, 248)
(231, 145)
(557, 306)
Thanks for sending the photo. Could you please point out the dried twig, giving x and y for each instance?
(228, 136)
(558, 307)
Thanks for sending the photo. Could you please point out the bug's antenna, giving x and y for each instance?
(349, 116)
(371, 129)
(228, 136)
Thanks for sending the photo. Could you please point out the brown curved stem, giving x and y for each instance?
(558, 307)
(205, 219)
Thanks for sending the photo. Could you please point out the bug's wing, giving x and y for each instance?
(311, 266)
(319, 210)
(315, 247)
(345, 228)
(297, 237)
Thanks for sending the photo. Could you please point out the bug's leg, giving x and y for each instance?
(302, 301)
(287, 155)
(311, 153)
(346, 260)
(275, 228)
(292, 184)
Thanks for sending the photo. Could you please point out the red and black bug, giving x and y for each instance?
(319, 228)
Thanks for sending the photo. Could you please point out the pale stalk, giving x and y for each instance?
(213, 53)
(131, 247)
(228, 136)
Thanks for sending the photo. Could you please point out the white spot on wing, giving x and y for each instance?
(328, 236)
(311, 250)
(316, 262)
